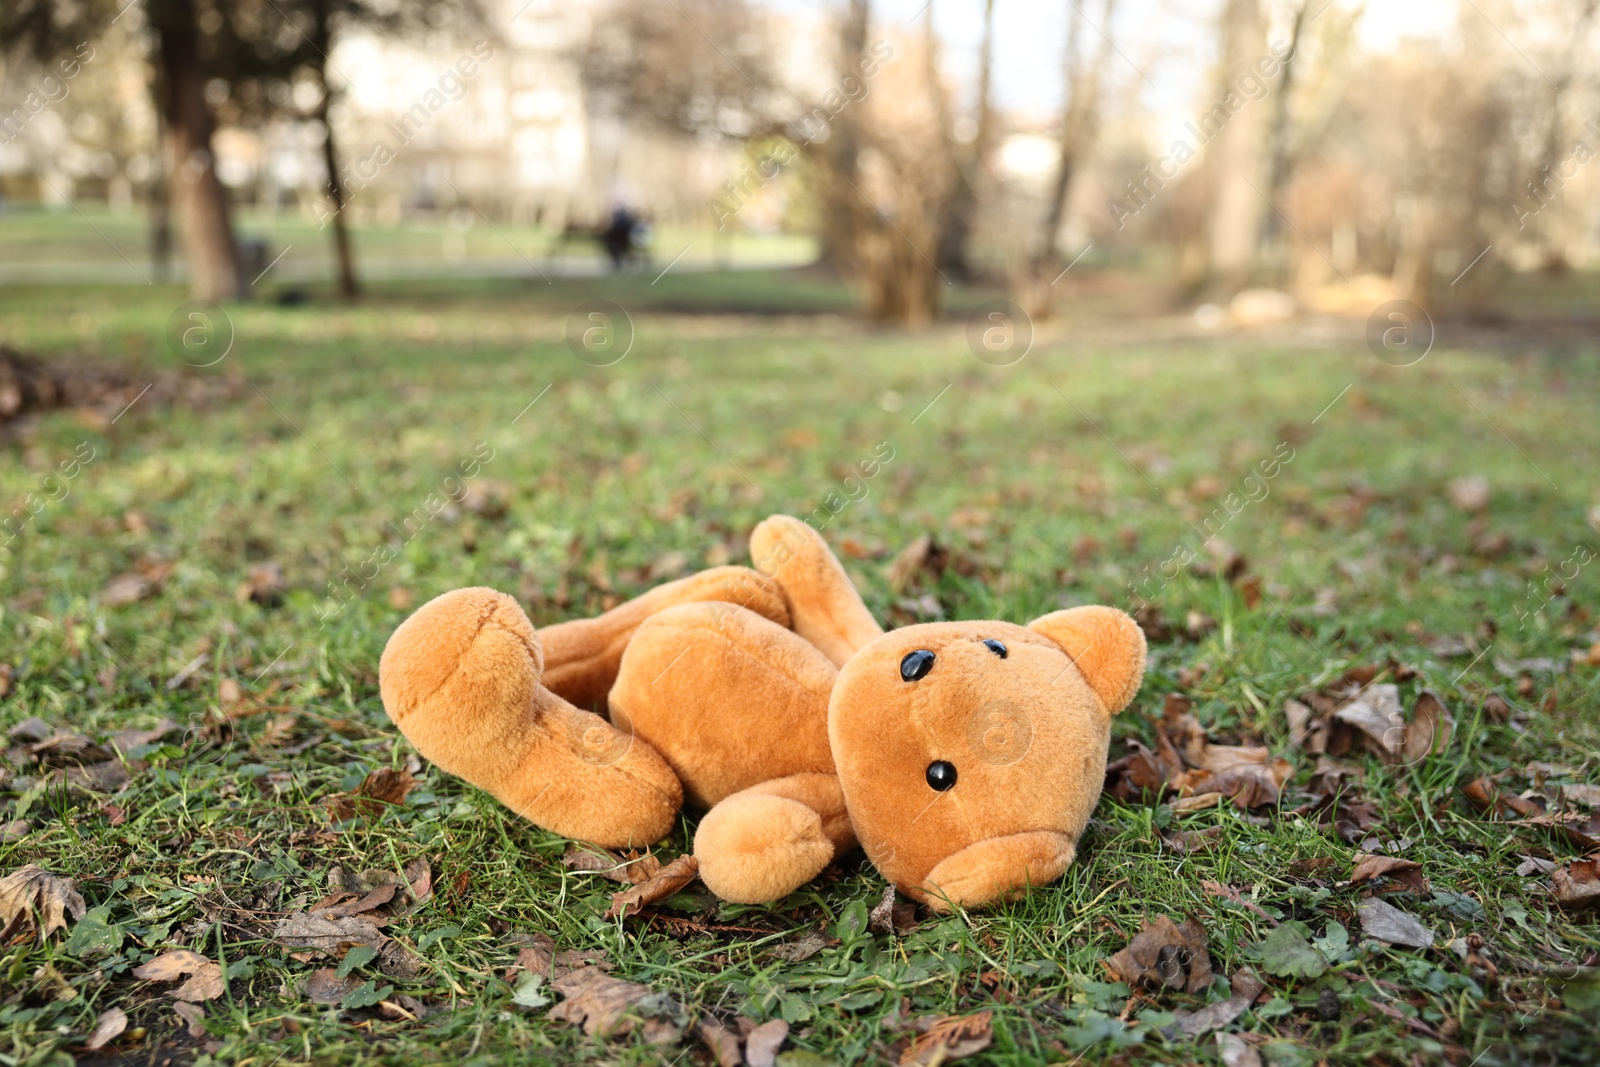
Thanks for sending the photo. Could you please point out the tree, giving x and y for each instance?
(1236, 162)
(968, 159)
(264, 51)
(49, 30)
(1082, 85)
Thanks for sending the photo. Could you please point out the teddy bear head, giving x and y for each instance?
(971, 754)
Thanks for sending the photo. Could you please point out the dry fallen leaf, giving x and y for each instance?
(324, 986)
(307, 930)
(1403, 871)
(1470, 494)
(1385, 922)
(1377, 714)
(34, 896)
(205, 978)
(761, 1045)
(658, 887)
(380, 788)
(952, 1038)
(1577, 886)
(722, 1042)
(889, 917)
(1429, 731)
(590, 859)
(263, 585)
(605, 1006)
(1213, 1016)
(1234, 1052)
(921, 555)
(110, 1025)
(1164, 955)
(193, 1016)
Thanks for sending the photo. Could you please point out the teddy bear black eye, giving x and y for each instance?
(995, 646)
(941, 775)
(916, 665)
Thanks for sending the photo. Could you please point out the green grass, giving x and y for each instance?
(1055, 481)
(62, 241)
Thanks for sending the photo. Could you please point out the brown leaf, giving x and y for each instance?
(922, 555)
(590, 859)
(205, 978)
(801, 949)
(538, 956)
(761, 1045)
(380, 788)
(1493, 802)
(333, 936)
(607, 1007)
(1429, 731)
(1213, 1016)
(379, 896)
(1376, 714)
(110, 1025)
(32, 896)
(7, 673)
(193, 1016)
(888, 917)
(170, 966)
(127, 588)
(324, 986)
(1577, 886)
(1234, 1052)
(951, 1038)
(1470, 494)
(263, 584)
(1404, 871)
(658, 887)
(1164, 955)
(722, 1042)
(127, 740)
(1186, 841)
(1581, 829)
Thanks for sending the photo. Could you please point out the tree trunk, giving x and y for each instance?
(159, 195)
(200, 201)
(1080, 121)
(322, 41)
(956, 226)
(1278, 139)
(1237, 208)
(842, 209)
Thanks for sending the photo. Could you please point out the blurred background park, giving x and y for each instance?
(1318, 156)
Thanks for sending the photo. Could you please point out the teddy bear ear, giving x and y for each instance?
(1106, 645)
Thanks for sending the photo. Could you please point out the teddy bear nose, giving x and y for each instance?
(916, 665)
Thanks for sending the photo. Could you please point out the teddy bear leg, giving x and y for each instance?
(769, 840)
(582, 656)
(824, 605)
(462, 678)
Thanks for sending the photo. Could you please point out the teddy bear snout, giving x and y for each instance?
(995, 868)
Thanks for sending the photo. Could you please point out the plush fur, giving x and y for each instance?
(771, 698)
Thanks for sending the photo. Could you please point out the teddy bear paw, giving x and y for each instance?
(757, 848)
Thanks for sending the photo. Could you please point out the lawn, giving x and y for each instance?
(209, 565)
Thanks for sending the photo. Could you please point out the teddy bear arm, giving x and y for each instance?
(582, 657)
(761, 844)
(825, 606)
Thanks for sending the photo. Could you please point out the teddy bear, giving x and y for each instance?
(964, 758)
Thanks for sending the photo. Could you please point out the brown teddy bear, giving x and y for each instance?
(964, 757)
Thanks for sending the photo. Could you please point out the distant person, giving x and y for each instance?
(624, 237)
